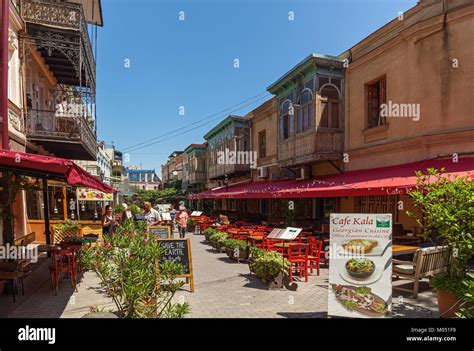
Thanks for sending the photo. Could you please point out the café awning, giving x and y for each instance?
(393, 180)
(50, 167)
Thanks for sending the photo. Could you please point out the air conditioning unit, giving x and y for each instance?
(262, 172)
(302, 173)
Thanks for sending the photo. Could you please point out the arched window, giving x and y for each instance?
(305, 112)
(330, 109)
(285, 120)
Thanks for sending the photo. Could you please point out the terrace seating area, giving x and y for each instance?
(309, 252)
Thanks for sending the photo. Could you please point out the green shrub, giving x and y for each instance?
(268, 264)
(135, 209)
(447, 206)
(131, 271)
(67, 226)
(235, 244)
(467, 307)
(119, 208)
(210, 231)
(218, 237)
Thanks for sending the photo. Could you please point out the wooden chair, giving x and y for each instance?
(314, 256)
(63, 261)
(298, 258)
(427, 262)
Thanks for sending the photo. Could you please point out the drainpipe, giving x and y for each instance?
(4, 78)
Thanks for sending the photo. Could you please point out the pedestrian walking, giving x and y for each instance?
(182, 221)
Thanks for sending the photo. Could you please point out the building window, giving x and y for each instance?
(330, 107)
(286, 115)
(376, 96)
(305, 112)
(262, 144)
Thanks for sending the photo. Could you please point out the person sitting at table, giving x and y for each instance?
(151, 216)
(222, 220)
(108, 221)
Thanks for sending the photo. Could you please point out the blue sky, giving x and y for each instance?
(190, 63)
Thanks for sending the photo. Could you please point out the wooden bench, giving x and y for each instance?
(25, 240)
(427, 262)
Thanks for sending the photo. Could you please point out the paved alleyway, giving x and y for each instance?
(223, 289)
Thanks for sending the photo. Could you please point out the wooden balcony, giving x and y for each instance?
(59, 30)
(196, 177)
(66, 135)
(219, 171)
(311, 146)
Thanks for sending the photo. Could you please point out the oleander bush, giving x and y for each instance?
(133, 274)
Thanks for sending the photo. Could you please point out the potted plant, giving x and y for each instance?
(65, 230)
(236, 249)
(209, 232)
(267, 265)
(217, 239)
(447, 209)
(133, 273)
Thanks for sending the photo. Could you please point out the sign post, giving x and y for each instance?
(179, 250)
(360, 265)
(161, 231)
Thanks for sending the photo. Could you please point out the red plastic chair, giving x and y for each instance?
(64, 261)
(314, 257)
(298, 258)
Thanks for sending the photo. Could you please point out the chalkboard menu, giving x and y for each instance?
(179, 250)
(162, 232)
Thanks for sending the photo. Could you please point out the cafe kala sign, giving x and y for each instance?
(86, 194)
(360, 265)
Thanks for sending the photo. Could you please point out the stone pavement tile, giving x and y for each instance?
(223, 289)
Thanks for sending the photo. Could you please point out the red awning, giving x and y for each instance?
(391, 180)
(51, 167)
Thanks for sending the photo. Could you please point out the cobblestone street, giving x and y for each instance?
(223, 289)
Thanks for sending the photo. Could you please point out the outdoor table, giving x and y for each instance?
(254, 239)
(398, 250)
(47, 248)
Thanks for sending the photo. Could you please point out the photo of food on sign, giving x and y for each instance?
(360, 299)
(360, 265)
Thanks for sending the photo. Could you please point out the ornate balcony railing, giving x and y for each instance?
(61, 126)
(311, 147)
(62, 16)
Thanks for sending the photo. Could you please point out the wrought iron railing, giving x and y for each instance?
(62, 15)
(64, 126)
